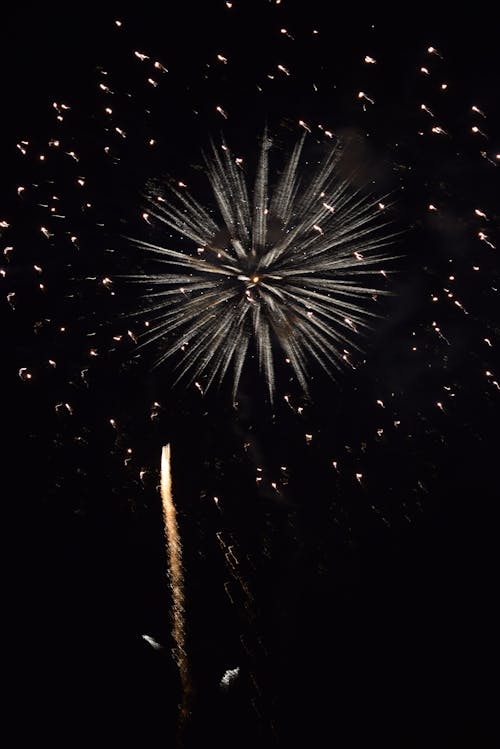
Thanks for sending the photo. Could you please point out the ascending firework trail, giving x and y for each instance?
(176, 578)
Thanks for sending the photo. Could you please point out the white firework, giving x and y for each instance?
(281, 271)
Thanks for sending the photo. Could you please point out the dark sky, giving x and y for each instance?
(370, 565)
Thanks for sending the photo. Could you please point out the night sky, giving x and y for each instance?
(337, 550)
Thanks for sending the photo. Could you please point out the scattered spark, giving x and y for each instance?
(161, 67)
(152, 642)
(434, 51)
(283, 69)
(229, 677)
(362, 95)
(484, 238)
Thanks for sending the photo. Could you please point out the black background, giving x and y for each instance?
(362, 629)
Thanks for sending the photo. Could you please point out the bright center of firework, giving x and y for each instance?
(315, 263)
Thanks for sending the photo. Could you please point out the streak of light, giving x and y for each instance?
(434, 51)
(176, 579)
(152, 642)
(484, 238)
(362, 95)
(25, 374)
(229, 677)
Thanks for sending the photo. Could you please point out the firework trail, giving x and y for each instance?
(176, 578)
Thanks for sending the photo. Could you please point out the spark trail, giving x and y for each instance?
(176, 578)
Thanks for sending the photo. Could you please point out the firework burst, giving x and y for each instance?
(292, 265)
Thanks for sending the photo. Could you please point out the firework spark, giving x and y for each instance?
(176, 578)
(289, 266)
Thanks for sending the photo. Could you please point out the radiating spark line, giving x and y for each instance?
(176, 579)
